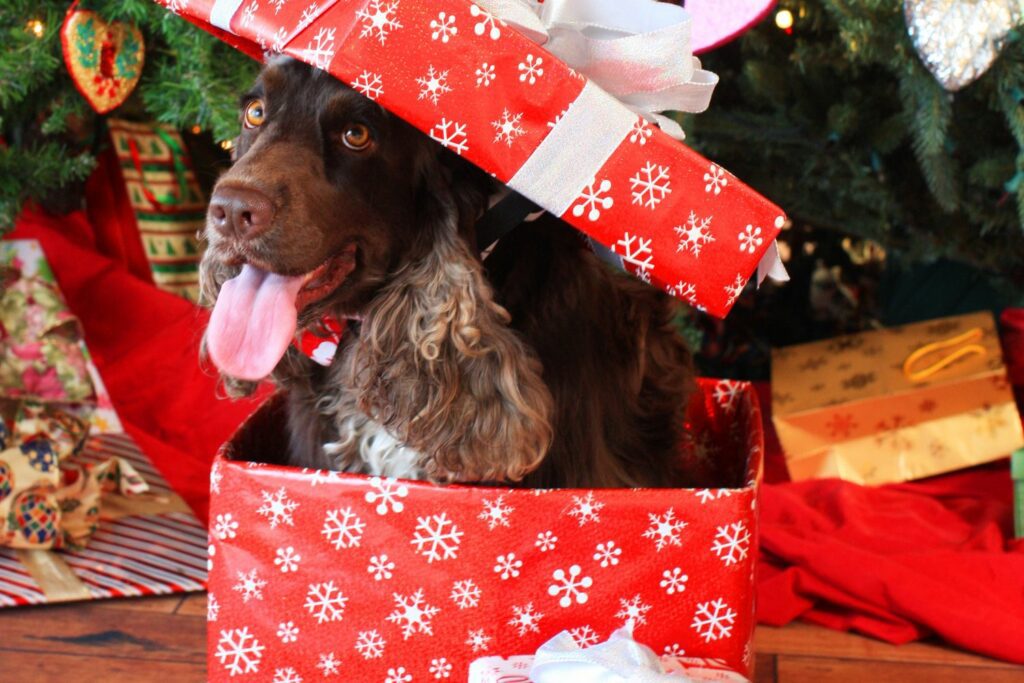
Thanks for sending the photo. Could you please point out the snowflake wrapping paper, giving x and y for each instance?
(488, 93)
(316, 574)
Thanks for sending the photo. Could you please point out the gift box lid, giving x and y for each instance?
(471, 80)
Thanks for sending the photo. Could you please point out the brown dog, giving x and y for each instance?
(539, 365)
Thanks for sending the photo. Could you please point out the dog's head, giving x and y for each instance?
(323, 202)
(334, 206)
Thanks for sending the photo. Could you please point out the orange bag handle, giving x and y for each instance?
(972, 335)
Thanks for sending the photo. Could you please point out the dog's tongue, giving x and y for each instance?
(253, 322)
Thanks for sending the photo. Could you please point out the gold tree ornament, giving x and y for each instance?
(958, 40)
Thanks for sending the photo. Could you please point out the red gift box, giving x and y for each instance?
(487, 92)
(315, 572)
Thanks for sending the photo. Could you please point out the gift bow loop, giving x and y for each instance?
(620, 659)
(638, 51)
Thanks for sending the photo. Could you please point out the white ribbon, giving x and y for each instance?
(222, 12)
(620, 659)
(560, 168)
(636, 50)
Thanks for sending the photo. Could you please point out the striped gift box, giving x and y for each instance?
(149, 544)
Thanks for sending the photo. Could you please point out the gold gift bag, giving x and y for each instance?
(896, 404)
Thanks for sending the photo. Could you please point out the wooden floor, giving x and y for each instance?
(163, 639)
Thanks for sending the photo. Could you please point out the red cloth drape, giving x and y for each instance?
(896, 562)
(115, 228)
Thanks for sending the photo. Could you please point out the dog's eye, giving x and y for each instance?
(254, 114)
(356, 136)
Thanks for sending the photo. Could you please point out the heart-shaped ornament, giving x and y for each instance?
(959, 39)
(716, 22)
(104, 60)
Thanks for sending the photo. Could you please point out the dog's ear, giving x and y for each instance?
(437, 363)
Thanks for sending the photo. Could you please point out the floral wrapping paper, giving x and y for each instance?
(844, 408)
(42, 355)
(318, 573)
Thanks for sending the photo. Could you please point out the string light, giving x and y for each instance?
(196, 130)
(227, 145)
(36, 27)
(784, 19)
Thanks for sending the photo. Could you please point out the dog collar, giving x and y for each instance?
(320, 342)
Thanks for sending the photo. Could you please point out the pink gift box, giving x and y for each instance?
(318, 572)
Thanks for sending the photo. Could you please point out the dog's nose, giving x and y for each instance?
(240, 212)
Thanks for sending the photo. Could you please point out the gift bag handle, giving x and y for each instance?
(972, 335)
(169, 201)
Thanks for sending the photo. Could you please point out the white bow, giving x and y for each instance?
(638, 51)
(620, 659)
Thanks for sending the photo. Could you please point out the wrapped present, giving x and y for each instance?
(169, 205)
(46, 499)
(75, 522)
(42, 355)
(896, 404)
(312, 569)
(145, 543)
(559, 132)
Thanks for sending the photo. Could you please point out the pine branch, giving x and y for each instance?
(189, 78)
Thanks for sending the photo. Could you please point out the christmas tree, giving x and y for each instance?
(828, 110)
(49, 133)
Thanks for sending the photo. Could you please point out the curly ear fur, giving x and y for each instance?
(437, 364)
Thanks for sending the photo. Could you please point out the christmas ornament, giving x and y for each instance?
(104, 60)
(959, 39)
(716, 22)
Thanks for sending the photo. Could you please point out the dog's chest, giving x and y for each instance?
(328, 429)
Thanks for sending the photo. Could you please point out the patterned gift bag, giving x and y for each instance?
(168, 202)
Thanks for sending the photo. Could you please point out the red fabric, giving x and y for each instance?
(898, 562)
(111, 214)
(146, 345)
